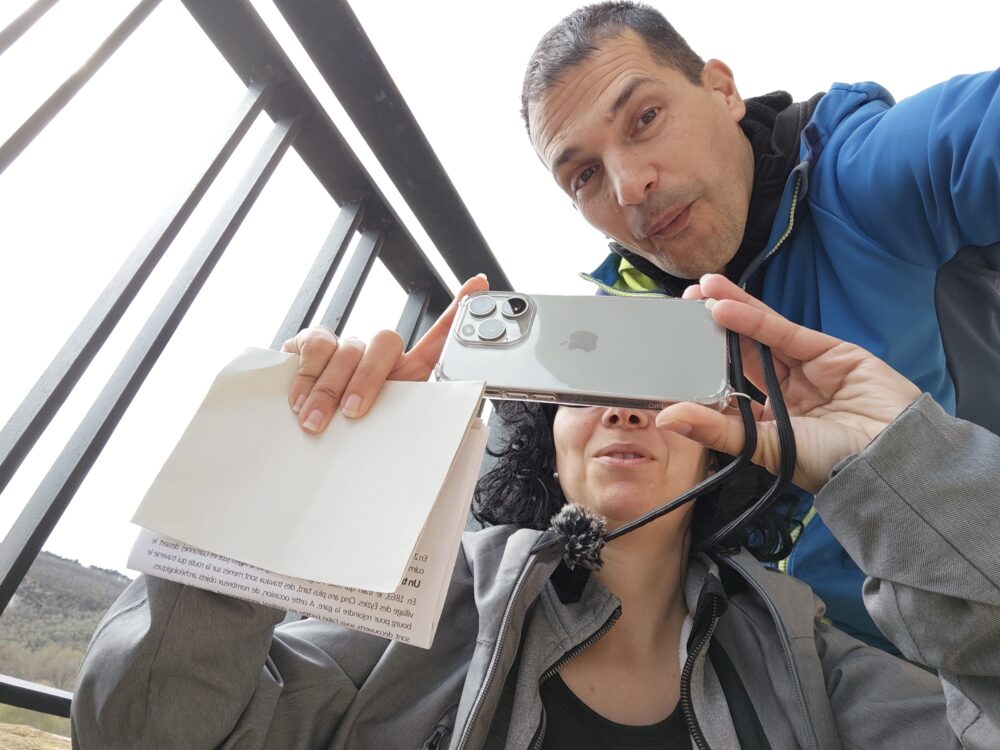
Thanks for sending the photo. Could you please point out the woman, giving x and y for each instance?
(657, 644)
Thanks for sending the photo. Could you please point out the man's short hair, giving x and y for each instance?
(580, 34)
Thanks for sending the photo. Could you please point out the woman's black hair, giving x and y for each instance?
(520, 488)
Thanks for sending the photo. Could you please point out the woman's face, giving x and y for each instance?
(616, 463)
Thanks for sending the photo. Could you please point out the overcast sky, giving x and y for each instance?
(80, 197)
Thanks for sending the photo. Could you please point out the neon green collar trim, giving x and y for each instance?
(632, 279)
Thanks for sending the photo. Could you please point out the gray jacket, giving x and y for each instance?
(175, 667)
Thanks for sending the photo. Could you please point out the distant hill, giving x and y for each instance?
(26, 738)
(48, 624)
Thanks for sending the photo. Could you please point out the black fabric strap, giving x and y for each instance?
(745, 721)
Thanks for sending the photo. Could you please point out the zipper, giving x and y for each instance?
(784, 235)
(785, 647)
(568, 657)
(498, 649)
(611, 291)
(578, 649)
(540, 732)
(782, 564)
(692, 722)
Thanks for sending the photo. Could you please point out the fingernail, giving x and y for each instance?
(314, 420)
(704, 278)
(298, 403)
(351, 405)
(484, 277)
(681, 428)
(710, 303)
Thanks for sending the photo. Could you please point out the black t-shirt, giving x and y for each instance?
(572, 725)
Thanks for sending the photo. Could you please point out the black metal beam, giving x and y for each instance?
(25, 539)
(324, 267)
(331, 34)
(437, 302)
(413, 312)
(69, 88)
(349, 288)
(435, 309)
(17, 28)
(245, 41)
(34, 697)
(423, 308)
(45, 398)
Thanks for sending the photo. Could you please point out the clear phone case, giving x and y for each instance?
(645, 352)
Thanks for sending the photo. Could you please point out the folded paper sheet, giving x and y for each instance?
(408, 615)
(344, 507)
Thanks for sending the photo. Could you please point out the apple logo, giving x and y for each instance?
(584, 340)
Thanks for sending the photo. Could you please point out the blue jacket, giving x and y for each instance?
(888, 235)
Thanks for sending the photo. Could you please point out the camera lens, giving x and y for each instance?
(515, 307)
(468, 330)
(482, 306)
(492, 329)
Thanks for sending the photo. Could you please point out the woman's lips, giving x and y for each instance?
(623, 458)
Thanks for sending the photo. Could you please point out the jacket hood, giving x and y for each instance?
(831, 111)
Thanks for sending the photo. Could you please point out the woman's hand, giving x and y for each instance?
(838, 395)
(346, 374)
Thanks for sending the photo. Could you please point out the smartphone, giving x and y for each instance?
(643, 352)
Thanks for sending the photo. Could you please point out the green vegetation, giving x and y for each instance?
(47, 626)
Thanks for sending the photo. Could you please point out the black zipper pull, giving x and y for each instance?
(438, 738)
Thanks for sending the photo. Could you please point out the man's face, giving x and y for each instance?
(649, 158)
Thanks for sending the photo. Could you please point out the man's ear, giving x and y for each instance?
(716, 76)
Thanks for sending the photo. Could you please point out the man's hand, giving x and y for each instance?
(348, 375)
(838, 395)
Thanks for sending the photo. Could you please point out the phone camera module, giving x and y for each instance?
(492, 329)
(480, 307)
(515, 307)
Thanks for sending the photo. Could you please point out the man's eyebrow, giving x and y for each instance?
(567, 155)
(630, 88)
(619, 103)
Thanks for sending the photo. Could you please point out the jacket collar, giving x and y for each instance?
(545, 629)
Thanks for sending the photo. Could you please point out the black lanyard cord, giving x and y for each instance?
(749, 427)
(786, 443)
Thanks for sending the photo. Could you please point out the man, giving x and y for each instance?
(874, 222)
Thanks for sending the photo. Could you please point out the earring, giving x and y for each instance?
(555, 475)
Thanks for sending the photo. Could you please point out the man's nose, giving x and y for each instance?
(633, 179)
(625, 418)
